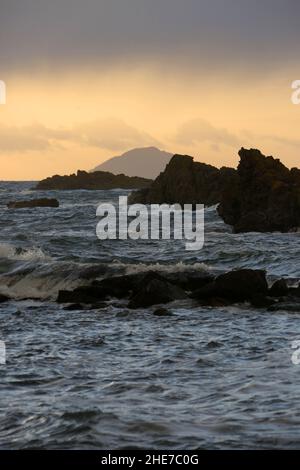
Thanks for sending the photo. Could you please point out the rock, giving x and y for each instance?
(187, 182)
(94, 180)
(190, 280)
(155, 290)
(261, 301)
(3, 298)
(123, 286)
(265, 196)
(83, 294)
(294, 291)
(236, 286)
(242, 284)
(31, 203)
(119, 286)
(279, 289)
(213, 344)
(293, 307)
(162, 312)
(72, 307)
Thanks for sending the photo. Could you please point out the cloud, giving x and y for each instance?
(197, 131)
(23, 139)
(269, 138)
(110, 134)
(68, 32)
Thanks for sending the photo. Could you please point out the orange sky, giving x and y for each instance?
(58, 124)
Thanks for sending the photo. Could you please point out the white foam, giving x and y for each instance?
(26, 254)
(167, 268)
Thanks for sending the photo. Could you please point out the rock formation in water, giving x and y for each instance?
(187, 182)
(31, 203)
(148, 289)
(266, 197)
(95, 180)
(262, 195)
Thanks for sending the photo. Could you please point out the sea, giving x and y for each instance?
(114, 378)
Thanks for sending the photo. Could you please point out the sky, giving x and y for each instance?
(90, 79)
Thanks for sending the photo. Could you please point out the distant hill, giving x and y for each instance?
(145, 162)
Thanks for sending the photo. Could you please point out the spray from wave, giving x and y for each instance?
(19, 253)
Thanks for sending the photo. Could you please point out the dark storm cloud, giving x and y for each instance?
(69, 32)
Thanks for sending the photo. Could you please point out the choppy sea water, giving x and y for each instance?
(203, 378)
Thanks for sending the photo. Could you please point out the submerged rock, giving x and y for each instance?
(31, 203)
(265, 198)
(94, 180)
(162, 312)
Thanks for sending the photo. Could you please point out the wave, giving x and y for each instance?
(44, 280)
(19, 253)
(165, 268)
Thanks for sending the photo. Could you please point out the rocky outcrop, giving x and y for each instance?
(262, 195)
(95, 180)
(187, 182)
(265, 198)
(31, 203)
(147, 289)
(141, 288)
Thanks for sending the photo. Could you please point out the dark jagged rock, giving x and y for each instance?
(187, 182)
(3, 298)
(189, 280)
(279, 288)
(152, 288)
(155, 290)
(261, 301)
(31, 203)
(120, 287)
(294, 291)
(235, 286)
(265, 198)
(83, 294)
(94, 180)
(123, 286)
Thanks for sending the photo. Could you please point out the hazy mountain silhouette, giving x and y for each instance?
(145, 162)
